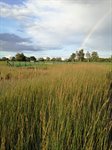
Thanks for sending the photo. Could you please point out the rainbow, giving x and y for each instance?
(95, 28)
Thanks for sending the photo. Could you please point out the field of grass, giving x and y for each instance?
(29, 64)
(55, 107)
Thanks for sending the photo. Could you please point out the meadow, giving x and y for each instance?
(55, 107)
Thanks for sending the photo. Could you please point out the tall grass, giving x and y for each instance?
(61, 107)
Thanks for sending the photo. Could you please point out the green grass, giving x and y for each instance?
(24, 64)
(58, 107)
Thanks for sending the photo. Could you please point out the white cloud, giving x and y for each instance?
(59, 23)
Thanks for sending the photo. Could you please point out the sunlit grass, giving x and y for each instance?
(58, 107)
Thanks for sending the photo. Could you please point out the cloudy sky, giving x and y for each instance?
(55, 27)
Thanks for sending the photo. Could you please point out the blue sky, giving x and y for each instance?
(13, 2)
(55, 28)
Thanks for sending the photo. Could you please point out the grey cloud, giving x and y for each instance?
(64, 25)
(100, 41)
(12, 37)
(14, 43)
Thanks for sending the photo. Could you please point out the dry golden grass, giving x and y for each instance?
(55, 107)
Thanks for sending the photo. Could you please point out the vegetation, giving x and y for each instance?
(94, 56)
(72, 57)
(81, 55)
(20, 57)
(55, 107)
(78, 56)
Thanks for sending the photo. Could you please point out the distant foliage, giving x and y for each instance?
(20, 57)
(32, 58)
(88, 56)
(78, 56)
(81, 55)
(94, 56)
(72, 57)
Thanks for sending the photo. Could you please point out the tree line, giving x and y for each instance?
(78, 56)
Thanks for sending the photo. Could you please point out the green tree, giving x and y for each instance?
(94, 56)
(88, 56)
(111, 58)
(20, 57)
(47, 58)
(77, 55)
(58, 59)
(53, 59)
(13, 58)
(41, 59)
(4, 59)
(32, 58)
(27, 58)
(81, 55)
(72, 57)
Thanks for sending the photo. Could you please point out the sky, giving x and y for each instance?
(55, 28)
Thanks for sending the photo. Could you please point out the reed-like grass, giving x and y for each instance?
(59, 107)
